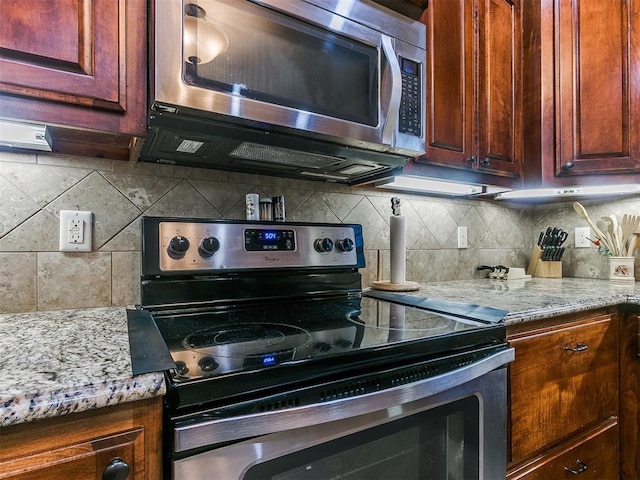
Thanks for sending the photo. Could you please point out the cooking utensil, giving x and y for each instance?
(614, 232)
(610, 242)
(582, 213)
(628, 226)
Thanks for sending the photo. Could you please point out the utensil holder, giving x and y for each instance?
(541, 268)
(621, 269)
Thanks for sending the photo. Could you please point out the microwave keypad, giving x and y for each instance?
(410, 111)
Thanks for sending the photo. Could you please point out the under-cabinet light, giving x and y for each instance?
(407, 183)
(23, 135)
(587, 191)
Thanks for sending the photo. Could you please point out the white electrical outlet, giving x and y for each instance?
(582, 236)
(75, 231)
(462, 237)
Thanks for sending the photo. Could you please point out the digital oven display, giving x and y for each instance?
(269, 240)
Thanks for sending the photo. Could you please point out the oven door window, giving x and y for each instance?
(252, 52)
(438, 443)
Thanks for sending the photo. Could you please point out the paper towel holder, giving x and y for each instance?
(398, 282)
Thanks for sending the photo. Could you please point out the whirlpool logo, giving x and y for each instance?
(271, 259)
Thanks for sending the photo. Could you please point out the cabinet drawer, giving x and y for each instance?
(595, 457)
(562, 379)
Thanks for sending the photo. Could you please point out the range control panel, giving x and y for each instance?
(210, 246)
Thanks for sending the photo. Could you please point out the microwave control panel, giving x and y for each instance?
(410, 107)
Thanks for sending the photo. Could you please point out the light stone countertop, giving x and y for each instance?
(59, 362)
(535, 298)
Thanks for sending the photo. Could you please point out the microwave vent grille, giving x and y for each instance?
(283, 156)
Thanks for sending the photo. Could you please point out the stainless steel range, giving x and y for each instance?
(280, 366)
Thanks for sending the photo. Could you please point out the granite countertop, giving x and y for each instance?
(535, 298)
(59, 362)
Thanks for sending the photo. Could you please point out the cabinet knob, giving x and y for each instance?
(472, 161)
(117, 469)
(582, 467)
(486, 162)
(580, 347)
(568, 166)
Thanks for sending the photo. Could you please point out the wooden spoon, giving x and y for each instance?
(628, 225)
(614, 233)
(609, 242)
(582, 213)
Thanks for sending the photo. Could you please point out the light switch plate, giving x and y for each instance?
(462, 238)
(76, 230)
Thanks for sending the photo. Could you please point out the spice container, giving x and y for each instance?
(278, 208)
(252, 201)
(266, 210)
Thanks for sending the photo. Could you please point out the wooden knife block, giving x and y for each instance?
(541, 268)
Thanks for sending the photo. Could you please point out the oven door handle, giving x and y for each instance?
(210, 432)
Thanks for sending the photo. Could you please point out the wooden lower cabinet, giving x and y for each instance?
(564, 391)
(630, 392)
(591, 455)
(104, 443)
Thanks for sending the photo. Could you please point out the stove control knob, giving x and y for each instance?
(181, 368)
(345, 245)
(208, 364)
(178, 246)
(323, 245)
(209, 246)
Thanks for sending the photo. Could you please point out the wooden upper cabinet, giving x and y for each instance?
(449, 83)
(582, 108)
(75, 63)
(473, 86)
(499, 102)
(599, 86)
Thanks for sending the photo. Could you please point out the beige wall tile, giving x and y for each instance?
(42, 183)
(34, 187)
(125, 278)
(73, 280)
(17, 282)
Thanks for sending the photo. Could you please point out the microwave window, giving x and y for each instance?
(260, 54)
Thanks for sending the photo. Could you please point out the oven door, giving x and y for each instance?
(408, 432)
(284, 63)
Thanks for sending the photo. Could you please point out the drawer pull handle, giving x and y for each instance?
(580, 347)
(582, 467)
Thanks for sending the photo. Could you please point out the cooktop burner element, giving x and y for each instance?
(265, 335)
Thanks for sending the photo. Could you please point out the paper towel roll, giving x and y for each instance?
(398, 259)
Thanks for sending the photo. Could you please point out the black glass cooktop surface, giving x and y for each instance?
(259, 336)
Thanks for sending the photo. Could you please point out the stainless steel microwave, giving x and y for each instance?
(327, 90)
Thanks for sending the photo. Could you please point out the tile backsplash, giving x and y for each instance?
(34, 275)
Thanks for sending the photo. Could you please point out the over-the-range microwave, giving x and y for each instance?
(327, 90)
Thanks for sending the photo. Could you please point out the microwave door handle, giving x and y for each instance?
(396, 91)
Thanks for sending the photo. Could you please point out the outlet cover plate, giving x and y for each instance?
(76, 230)
(582, 236)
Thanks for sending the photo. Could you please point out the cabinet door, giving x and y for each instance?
(86, 461)
(561, 381)
(75, 63)
(81, 446)
(473, 86)
(598, 90)
(499, 88)
(450, 85)
(593, 456)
